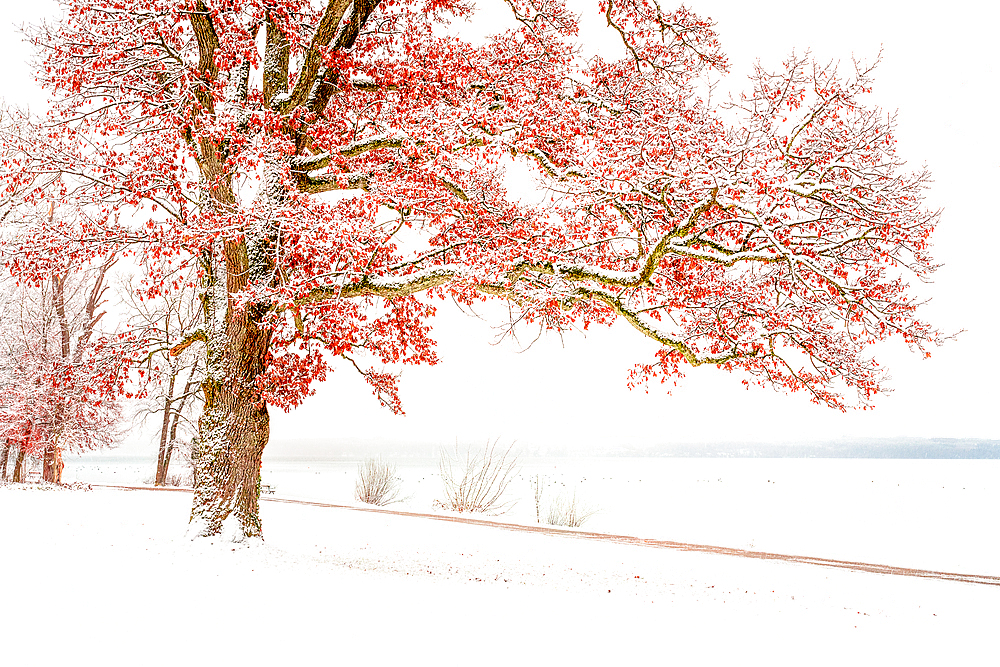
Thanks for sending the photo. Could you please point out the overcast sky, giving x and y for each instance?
(938, 71)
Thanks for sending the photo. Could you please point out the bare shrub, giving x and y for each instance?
(179, 479)
(568, 512)
(477, 481)
(377, 483)
(172, 479)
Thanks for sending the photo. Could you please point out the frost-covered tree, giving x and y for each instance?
(54, 391)
(330, 165)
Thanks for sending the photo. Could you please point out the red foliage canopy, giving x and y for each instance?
(363, 147)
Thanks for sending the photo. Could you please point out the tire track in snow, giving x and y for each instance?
(628, 539)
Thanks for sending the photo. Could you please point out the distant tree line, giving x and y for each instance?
(895, 448)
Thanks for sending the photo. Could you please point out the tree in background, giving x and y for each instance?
(172, 381)
(10, 441)
(325, 163)
(59, 382)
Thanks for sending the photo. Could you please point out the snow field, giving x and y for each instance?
(924, 514)
(106, 577)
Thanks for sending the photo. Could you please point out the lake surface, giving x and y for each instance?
(922, 513)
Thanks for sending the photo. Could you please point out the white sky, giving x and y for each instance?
(938, 71)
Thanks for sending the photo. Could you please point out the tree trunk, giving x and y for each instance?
(52, 454)
(19, 467)
(52, 464)
(49, 463)
(173, 411)
(162, 461)
(234, 426)
(178, 414)
(59, 466)
(170, 443)
(3, 461)
(232, 433)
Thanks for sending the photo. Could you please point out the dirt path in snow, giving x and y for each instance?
(627, 539)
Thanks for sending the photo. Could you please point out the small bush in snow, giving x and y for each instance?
(180, 480)
(568, 512)
(377, 483)
(177, 479)
(476, 482)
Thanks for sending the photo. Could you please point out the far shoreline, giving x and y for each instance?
(286, 452)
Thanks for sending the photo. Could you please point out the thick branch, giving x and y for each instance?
(307, 163)
(649, 331)
(389, 288)
(372, 143)
(276, 54)
(554, 171)
(454, 189)
(208, 43)
(190, 339)
(329, 182)
(324, 88)
(302, 166)
(94, 301)
(313, 62)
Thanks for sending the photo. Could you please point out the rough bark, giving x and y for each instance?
(232, 431)
(3, 461)
(234, 426)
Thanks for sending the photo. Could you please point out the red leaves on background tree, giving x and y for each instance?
(60, 378)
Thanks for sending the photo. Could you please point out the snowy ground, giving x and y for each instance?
(926, 514)
(105, 577)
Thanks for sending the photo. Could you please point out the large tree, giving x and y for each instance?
(332, 165)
